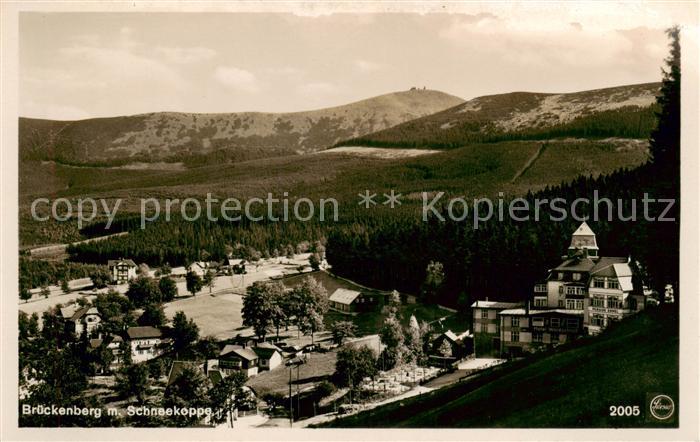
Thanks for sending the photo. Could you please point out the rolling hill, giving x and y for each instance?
(198, 139)
(572, 387)
(624, 111)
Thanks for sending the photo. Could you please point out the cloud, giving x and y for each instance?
(185, 55)
(123, 63)
(366, 66)
(536, 43)
(237, 79)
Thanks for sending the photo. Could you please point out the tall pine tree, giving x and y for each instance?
(665, 139)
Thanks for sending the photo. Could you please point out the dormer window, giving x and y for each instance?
(577, 276)
(560, 276)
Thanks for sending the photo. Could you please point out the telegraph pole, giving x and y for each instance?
(291, 415)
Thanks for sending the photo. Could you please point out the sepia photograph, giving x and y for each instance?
(246, 219)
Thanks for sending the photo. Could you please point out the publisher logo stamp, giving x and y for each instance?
(662, 407)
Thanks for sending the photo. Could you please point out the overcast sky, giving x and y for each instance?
(81, 65)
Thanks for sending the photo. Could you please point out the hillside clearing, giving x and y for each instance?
(379, 152)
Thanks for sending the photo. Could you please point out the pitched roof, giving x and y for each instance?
(576, 265)
(589, 265)
(269, 345)
(177, 367)
(244, 353)
(143, 332)
(344, 296)
(228, 348)
(496, 304)
(114, 262)
(68, 312)
(74, 313)
(583, 230)
(450, 335)
(622, 269)
(265, 352)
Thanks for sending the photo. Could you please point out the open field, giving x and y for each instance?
(216, 315)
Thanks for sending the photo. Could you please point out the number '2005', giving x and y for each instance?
(620, 410)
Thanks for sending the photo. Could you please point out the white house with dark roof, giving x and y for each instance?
(122, 270)
(81, 319)
(269, 356)
(145, 343)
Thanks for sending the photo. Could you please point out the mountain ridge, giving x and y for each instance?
(172, 136)
(526, 115)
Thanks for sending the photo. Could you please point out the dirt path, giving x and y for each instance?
(530, 162)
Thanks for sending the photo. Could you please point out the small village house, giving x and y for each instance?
(200, 268)
(236, 358)
(269, 356)
(459, 346)
(145, 343)
(352, 301)
(236, 266)
(113, 344)
(81, 319)
(122, 270)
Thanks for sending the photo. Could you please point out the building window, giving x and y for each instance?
(540, 288)
(577, 276)
(554, 338)
(613, 284)
(614, 302)
(536, 336)
(514, 321)
(514, 336)
(554, 322)
(598, 302)
(572, 323)
(538, 322)
(540, 302)
(560, 276)
(560, 303)
(599, 283)
(484, 314)
(597, 320)
(561, 289)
